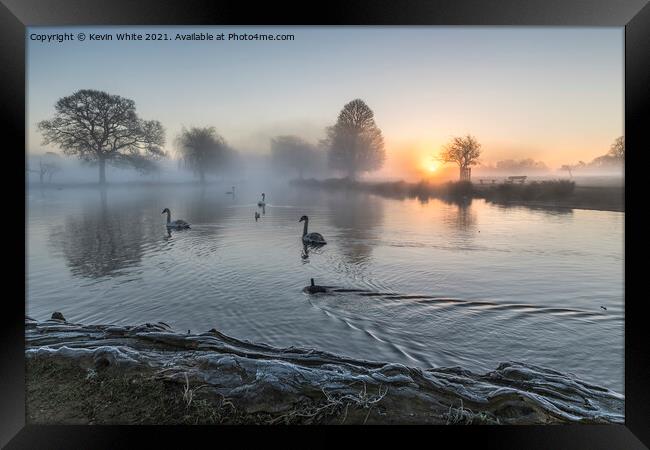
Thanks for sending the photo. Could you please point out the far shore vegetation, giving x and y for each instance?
(551, 193)
(104, 129)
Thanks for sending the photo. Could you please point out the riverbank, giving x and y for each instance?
(104, 374)
(538, 194)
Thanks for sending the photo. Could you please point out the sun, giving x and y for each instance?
(428, 166)
(432, 166)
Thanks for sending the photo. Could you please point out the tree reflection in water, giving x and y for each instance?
(356, 215)
(101, 241)
(462, 217)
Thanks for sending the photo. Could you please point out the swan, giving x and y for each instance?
(311, 238)
(314, 288)
(257, 216)
(231, 192)
(179, 224)
(262, 202)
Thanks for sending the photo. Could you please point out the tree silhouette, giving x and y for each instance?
(202, 150)
(47, 165)
(100, 127)
(571, 167)
(617, 149)
(355, 143)
(292, 152)
(615, 157)
(463, 151)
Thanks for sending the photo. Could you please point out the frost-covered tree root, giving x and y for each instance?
(263, 384)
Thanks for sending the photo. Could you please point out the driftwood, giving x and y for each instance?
(286, 382)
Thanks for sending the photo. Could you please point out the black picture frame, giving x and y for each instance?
(634, 15)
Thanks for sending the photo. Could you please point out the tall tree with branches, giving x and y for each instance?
(463, 151)
(617, 149)
(203, 150)
(102, 128)
(355, 143)
(293, 153)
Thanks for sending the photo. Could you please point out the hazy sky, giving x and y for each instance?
(550, 93)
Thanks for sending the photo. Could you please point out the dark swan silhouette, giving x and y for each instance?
(177, 224)
(311, 238)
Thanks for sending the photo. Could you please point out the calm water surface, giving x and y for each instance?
(447, 285)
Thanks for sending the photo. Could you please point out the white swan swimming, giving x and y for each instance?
(179, 224)
(262, 202)
(311, 238)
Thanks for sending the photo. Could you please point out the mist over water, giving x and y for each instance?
(434, 284)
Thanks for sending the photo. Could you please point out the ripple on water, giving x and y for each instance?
(429, 286)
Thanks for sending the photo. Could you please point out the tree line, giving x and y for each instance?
(101, 128)
(615, 157)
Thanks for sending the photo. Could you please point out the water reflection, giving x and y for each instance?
(357, 216)
(462, 217)
(244, 278)
(205, 207)
(545, 209)
(309, 248)
(102, 241)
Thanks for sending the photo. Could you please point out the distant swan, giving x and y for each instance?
(311, 238)
(179, 224)
(232, 192)
(257, 216)
(262, 202)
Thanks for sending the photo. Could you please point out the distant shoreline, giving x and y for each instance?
(543, 194)
(595, 198)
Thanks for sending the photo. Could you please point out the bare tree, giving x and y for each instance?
(463, 151)
(50, 164)
(617, 149)
(615, 157)
(47, 165)
(355, 143)
(100, 127)
(294, 153)
(571, 167)
(203, 150)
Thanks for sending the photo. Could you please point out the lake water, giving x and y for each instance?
(444, 285)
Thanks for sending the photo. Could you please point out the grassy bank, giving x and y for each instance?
(149, 374)
(551, 193)
(61, 392)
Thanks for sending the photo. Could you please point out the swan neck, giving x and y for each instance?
(169, 216)
(304, 228)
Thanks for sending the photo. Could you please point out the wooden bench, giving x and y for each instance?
(516, 179)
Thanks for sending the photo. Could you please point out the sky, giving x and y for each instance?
(549, 93)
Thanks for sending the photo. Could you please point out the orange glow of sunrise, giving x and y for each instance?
(431, 166)
(413, 160)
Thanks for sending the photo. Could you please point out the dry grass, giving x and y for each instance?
(465, 416)
(60, 392)
(332, 406)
